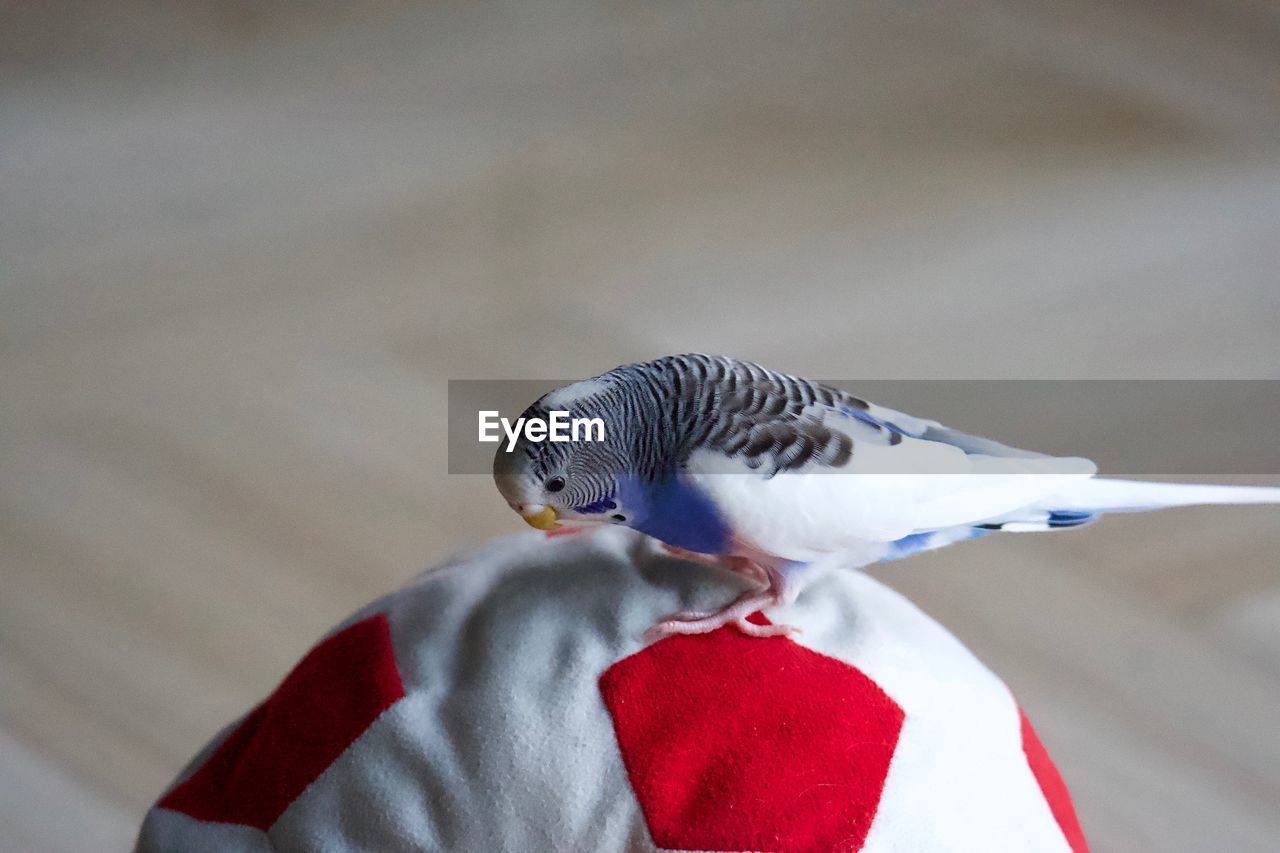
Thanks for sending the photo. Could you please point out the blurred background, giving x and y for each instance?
(243, 247)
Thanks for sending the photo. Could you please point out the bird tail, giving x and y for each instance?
(1098, 495)
(1083, 502)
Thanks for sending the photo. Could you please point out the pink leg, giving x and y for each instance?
(735, 612)
(744, 566)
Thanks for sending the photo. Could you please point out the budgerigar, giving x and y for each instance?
(780, 478)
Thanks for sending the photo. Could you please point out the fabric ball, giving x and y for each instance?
(506, 701)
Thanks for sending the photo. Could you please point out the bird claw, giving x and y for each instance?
(703, 622)
(751, 629)
(735, 613)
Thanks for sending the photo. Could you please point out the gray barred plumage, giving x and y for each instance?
(772, 421)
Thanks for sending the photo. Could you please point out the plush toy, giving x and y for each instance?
(506, 702)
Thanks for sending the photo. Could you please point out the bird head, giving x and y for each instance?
(575, 480)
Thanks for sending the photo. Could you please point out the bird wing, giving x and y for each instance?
(775, 422)
(801, 470)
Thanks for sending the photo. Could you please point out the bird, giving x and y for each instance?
(781, 479)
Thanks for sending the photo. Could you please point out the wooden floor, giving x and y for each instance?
(242, 252)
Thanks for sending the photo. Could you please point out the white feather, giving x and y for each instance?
(1103, 495)
(564, 398)
(884, 493)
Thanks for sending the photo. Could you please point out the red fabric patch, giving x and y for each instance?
(1052, 786)
(320, 708)
(742, 743)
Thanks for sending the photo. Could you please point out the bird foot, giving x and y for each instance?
(735, 613)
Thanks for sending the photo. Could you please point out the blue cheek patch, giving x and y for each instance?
(597, 507)
(678, 514)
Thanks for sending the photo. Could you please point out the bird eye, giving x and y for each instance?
(555, 484)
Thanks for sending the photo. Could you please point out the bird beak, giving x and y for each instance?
(543, 519)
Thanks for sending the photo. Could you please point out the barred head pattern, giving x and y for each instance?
(657, 413)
